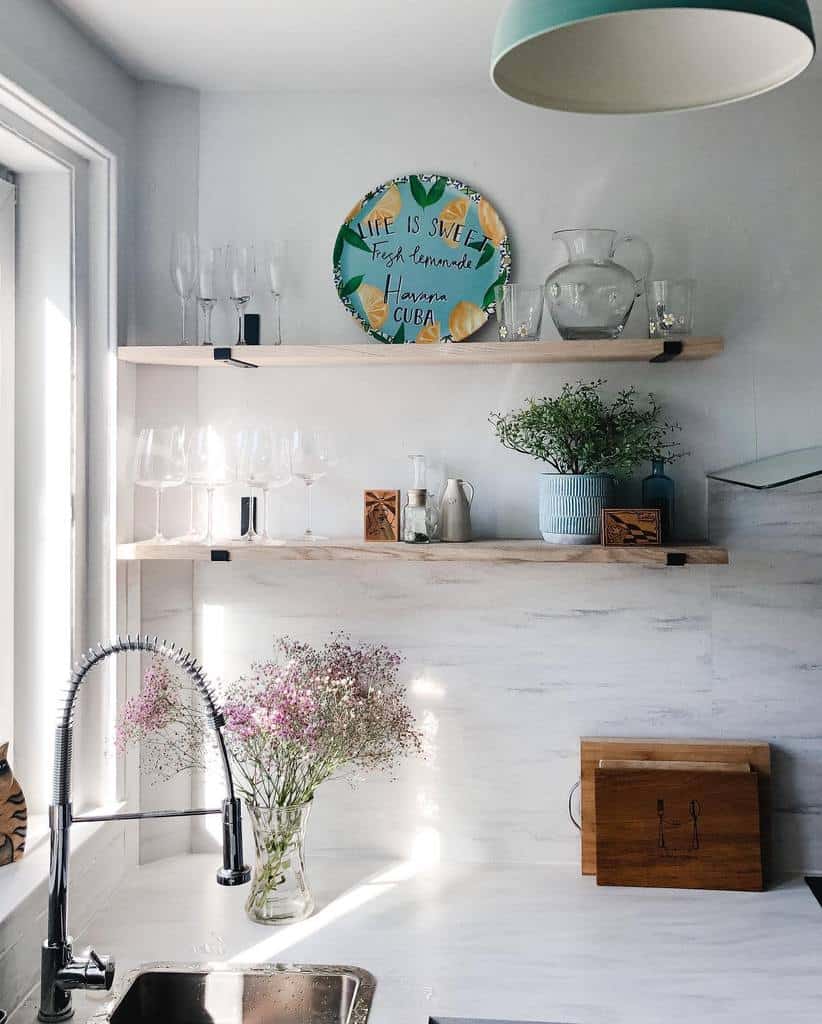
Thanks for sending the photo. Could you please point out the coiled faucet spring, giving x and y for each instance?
(61, 971)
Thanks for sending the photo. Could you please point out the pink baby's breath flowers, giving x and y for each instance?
(293, 722)
(150, 711)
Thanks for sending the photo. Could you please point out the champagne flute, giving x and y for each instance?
(273, 267)
(241, 269)
(209, 463)
(208, 287)
(159, 464)
(313, 453)
(183, 267)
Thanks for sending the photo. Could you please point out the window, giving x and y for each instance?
(7, 203)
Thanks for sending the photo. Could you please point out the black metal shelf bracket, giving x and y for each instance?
(675, 558)
(220, 555)
(223, 355)
(670, 350)
(814, 883)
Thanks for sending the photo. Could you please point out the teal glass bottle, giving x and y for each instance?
(658, 492)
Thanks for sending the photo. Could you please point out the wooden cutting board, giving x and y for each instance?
(594, 749)
(678, 828)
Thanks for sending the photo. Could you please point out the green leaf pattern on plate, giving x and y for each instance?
(351, 285)
(486, 255)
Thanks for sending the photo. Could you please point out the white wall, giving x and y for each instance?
(513, 664)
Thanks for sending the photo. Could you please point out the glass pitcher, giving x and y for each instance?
(591, 296)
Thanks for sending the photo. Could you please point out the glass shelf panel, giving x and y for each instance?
(773, 471)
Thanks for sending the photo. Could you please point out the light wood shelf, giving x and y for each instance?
(465, 353)
(501, 552)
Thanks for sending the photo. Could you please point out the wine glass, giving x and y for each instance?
(268, 467)
(253, 453)
(273, 266)
(208, 287)
(241, 269)
(313, 453)
(209, 464)
(193, 535)
(159, 463)
(183, 267)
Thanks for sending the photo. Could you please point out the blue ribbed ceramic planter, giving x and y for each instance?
(570, 507)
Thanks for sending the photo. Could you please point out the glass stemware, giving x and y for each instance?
(183, 268)
(159, 464)
(208, 287)
(241, 270)
(253, 452)
(313, 453)
(209, 464)
(265, 464)
(273, 266)
(278, 474)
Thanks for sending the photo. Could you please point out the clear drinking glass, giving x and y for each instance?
(670, 308)
(183, 268)
(159, 464)
(241, 271)
(209, 464)
(519, 311)
(208, 287)
(313, 453)
(273, 268)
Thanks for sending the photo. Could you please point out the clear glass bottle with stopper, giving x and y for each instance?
(414, 520)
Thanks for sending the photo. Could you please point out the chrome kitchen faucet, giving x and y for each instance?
(61, 971)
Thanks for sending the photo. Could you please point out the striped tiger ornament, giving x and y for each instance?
(13, 813)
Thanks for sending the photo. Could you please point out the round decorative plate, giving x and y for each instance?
(418, 260)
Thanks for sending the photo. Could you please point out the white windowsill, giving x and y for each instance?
(18, 881)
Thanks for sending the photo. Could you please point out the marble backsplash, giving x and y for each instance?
(509, 665)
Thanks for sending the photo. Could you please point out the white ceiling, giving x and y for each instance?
(299, 44)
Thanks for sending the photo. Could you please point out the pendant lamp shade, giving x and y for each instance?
(638, 56)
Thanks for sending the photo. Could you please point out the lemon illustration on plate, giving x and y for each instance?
(374, 305)
(490, 222)
(465, 318)
(452, 217)
(387, 207)
(428, 335)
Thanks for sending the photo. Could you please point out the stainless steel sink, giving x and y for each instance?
(224, 994)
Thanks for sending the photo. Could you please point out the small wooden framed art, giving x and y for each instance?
(381, 515)
(631, 527)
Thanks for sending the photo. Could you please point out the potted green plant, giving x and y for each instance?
(588, 441)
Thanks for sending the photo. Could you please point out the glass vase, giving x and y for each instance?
(658, 492)
(279, 888)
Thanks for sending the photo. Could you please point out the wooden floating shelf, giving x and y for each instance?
(470, 353)
(500, 552)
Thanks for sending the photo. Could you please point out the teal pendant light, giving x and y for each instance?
(638, 56)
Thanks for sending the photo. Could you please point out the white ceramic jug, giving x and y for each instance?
(455, 511)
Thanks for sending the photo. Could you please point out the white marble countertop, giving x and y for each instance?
(522, 943)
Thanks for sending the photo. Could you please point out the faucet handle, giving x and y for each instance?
(91, 972)
(103, 968)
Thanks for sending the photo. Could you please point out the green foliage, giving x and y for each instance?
(579, 431)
